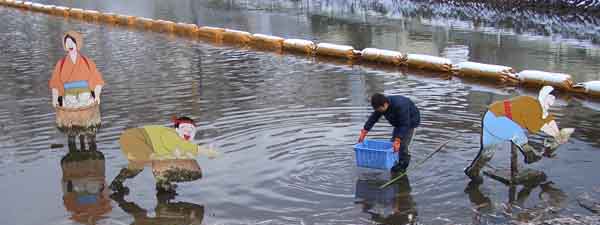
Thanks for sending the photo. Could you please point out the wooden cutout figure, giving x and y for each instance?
(510, 121)
(76, 86)
(170, 152)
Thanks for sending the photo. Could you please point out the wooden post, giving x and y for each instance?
(514, 171)
(512, 195)
(514, 164)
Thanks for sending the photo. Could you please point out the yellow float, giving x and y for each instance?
(110, 18)
(485, 71)
(535, 78)
(211, 33)
(125, 20)
(143, 22)
(383, 56)
(333, 50)
(267, 41)
(236, 36)
(91, 15)
(426, 62)
(299, 45)
(76, 13)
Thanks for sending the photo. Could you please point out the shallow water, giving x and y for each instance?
(285, 123)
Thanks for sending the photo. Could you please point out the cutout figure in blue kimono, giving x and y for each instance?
(510, 121)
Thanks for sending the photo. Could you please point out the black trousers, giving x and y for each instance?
(404, 153)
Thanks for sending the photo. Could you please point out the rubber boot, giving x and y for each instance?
(82, 142)
(92, 142)
(473, 171)
(164, 186)
(117, 184)
(530, 154)
(71, 144)
(401, 165)
(550, 146)
(477, 197)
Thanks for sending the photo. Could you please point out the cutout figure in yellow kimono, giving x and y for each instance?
(170, 151)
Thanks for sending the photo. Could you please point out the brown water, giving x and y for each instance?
(286, 124)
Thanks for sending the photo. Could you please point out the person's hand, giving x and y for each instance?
(209, 151)
(363, 134)
(178, 154)
(212, 154)
(561, 140)
(564, 135)
(54, 97)
(397, 144)
(55, 102)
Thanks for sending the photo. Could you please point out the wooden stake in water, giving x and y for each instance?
(417, 165)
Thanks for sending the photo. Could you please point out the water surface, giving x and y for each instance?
(285, 123)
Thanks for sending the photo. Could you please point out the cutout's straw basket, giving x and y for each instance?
(78, 121)
(176, 170)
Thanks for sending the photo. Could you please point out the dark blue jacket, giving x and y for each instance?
(401, 113)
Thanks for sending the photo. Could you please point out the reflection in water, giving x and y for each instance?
(85, 194)
(398, 195)
(550, 200)
(166, 212)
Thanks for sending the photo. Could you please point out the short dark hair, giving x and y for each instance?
(69, 36)
(378, 100)
(181, 119)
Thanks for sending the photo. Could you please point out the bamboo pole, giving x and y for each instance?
(417, 165)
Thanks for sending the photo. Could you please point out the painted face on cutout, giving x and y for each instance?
(549, 101)
(186, 131)
(71, 46)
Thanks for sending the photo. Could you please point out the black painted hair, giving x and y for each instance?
(178, 120)
(69, 36)
(378, 100)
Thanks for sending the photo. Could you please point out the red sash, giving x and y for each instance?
(62, 62)
(507, 109)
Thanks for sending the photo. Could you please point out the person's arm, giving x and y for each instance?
(551, 129)
(375, 115)
(188, 148)
(173, 145)
(54, 84)
(368, 125)
(401, 129)
(54, 97)
(96, 80)
(209, 152)
(97, 92)
(191, 150)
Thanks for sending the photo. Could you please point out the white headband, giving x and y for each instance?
(544, 92)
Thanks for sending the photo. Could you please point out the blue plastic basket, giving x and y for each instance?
(376, 154)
